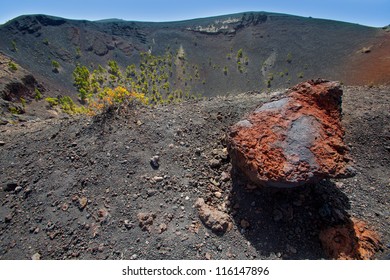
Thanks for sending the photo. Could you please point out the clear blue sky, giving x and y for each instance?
(366, 12)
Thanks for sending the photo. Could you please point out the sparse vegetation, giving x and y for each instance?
(38, 94)
(53, 101)
(14, 110)
(81, 78)
(300, 75)
(56, 66)
(13, 46)
(23, 102)
(67, 105)
(241, 60)
(239, 55)
(78, 52)
(12, 66)
(289, 57)
(45, 41)
(149, 81)
(114, 69)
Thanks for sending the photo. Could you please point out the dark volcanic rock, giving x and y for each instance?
(295, 140)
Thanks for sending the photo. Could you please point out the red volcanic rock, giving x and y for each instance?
(293, 141)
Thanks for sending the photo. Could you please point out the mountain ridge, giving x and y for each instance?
(221, 55)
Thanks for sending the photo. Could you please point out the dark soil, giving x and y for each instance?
(85, 188)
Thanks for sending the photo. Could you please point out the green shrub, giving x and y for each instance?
(239, 54)
(12, 66)
(78, 52)
(56, 66)
(23, 101)
(38, 94)
(114, 68)
(53, 101)
(225, 70)
(14, 48)
(14, 110)
(82, 81)
(45, 41)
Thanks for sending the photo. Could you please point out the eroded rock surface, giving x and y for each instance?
(350, 242)
(218, 221)
(295, 140)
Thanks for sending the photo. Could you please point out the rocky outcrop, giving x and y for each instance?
(16, 84)
(230, 25)
(295, 140)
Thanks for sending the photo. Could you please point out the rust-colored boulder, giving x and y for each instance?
(350, 241)
(295, 140)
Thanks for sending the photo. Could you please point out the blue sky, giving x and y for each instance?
(366, 12)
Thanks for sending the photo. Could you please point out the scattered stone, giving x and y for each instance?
(8, 218)
(36, 257)
(291, 249)
(295, 140)
(225, 176)
(2, 143)
(244, 224)
(146, 220)
(9, 187)
(216, 220)
(218, 194)
(64, 206)
(215, 163)
(151, 192)
(154, 162)
(27, 192)
(162, 227)
(158, 179)
(277, 215)
(83, 201)
(214, 182)
(18, 189)
(103, 215)
(207, 256)
(128, 224)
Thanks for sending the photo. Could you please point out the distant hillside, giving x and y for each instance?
(210, 56)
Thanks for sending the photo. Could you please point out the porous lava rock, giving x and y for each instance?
(350, 241)
(295, 140)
